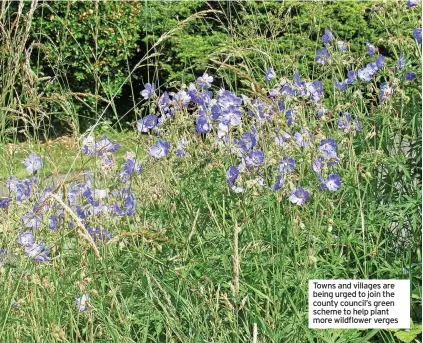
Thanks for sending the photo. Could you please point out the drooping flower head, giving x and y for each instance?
(289, 114)
(33, 163)
(327, 37)
(317, 165)
(371, 49)
(278, 184)
(232, 174)
(380, 62)
(5, 202)
(270, 74)
(322, 56)
(351, 77)
(417, 34)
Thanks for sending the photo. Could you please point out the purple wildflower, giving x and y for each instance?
(303, 138)
(232, 174)
(26, 238)
(417, 34)
(205, 81)
(340, 85)
(351, 77)
(148, 91)
(327, 147)
(412, 3)
(53, 222)
(33, 163)
(386, 91)
(147, 123)
(270, 74)
(332, 182)
(322, 56)
(37, 252)
(409, 75)
(255, 158)
(380, 62)
(130, 167)
(180, 152)
(5, 202)
(99, 234)
(286, 165)
(289, 114)
(32, 220)
(104, 145)
(160, 149)
(278, 184)
(299, 196)
(345, 124)
(371, 49)
(231, 116)
(88, 147)
(327, 37)
(367, 73)
(317, 165)
(202, 124)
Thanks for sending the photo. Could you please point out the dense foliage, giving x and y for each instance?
(92, 49)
